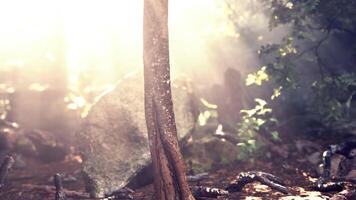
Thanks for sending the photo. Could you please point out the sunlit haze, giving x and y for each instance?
(101, 41)
(102, 35)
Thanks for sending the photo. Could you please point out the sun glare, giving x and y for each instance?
(105, 37)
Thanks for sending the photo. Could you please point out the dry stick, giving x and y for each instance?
(5, 168)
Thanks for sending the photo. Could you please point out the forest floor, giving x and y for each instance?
(34, 182)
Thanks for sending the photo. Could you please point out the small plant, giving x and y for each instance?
(209, 112)
(253, 121)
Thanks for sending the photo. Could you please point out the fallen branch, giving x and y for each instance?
(241, 181)
(245, 178)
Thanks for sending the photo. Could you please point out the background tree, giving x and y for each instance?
(169, 170)
(312, 69)
(316, 60)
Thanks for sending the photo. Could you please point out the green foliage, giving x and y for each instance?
(306, 15)
(333, 101)
(209, 112)
(253, 121)
(257, 78)
(297, 64)
(283, 68)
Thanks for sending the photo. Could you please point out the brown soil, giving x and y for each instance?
(33, 182)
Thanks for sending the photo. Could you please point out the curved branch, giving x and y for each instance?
(320, 62)
(316, 48)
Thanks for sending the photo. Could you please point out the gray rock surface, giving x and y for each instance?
(113, 137)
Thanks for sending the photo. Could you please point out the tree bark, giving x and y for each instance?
(169, 170)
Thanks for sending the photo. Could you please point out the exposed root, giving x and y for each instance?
(237, 185)
(265, 178)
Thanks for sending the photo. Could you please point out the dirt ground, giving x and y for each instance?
(34, 182)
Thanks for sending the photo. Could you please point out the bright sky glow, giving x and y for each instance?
(104, 37)
(104, 34)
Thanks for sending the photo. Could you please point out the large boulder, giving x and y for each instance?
(113, 137)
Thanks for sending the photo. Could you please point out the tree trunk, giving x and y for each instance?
(169, 170)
